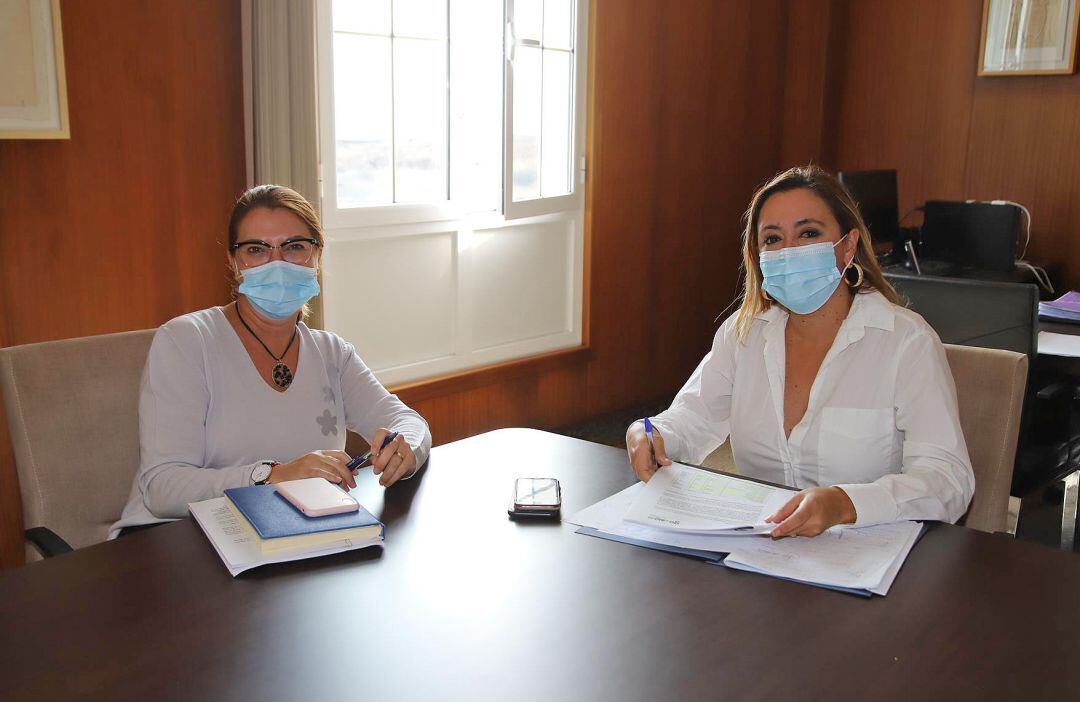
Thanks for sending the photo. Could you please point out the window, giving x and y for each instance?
(451, 138)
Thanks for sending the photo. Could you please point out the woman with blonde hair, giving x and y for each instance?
(247, 394)
(822, 380)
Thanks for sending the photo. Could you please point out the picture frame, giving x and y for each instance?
(1028, 37)
(33, 84)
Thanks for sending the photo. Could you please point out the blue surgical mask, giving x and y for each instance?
(801, 278)
(279, 289)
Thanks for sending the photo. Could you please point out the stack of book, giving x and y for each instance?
(1064, 309)
(253, 526)
(721, 519)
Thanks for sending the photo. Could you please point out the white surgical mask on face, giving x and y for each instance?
(801, 278)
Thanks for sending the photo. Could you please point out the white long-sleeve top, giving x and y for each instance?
(881, 422)
(207, 418)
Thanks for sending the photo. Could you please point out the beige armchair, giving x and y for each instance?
(73, 413)
(990, 385)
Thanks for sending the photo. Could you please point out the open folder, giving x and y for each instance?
(863, 561)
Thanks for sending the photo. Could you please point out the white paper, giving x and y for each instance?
(607, 516)
(851, 558)
(696, 501)
(1052, 344)
(239, 552)
(865, 558)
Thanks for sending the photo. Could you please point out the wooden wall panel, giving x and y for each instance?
(121, 226)
(685, 125)
(1024, 145)
(906, 76)
(910, 100)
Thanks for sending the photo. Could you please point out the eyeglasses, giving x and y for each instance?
(255, 253)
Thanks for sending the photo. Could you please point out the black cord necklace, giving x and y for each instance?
(282, 374)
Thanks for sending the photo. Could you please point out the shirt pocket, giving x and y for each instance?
(857, 445)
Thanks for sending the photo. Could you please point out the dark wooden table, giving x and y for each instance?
(463, 603)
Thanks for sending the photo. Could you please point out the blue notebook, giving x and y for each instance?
(272, 516)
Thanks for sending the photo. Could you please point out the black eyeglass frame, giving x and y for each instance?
(311, 240)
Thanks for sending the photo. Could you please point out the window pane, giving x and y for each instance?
(555, 138)
(420, 18)
(558, 23)
(362, 119)
(527, 19)
(368, 16)
(526, 123)
(476, 104)
(420, 120)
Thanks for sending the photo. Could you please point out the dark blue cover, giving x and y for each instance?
(273, 516)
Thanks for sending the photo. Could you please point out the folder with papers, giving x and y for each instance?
(863, 561)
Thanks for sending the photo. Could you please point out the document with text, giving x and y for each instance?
(862, 560)
(697, 501)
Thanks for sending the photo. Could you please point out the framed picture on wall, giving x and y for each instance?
(1028, 37)
(33, 89)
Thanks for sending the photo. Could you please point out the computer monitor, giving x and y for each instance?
(980, 235)
(875, 193)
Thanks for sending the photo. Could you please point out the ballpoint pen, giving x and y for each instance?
(361, 460)
(652, 444)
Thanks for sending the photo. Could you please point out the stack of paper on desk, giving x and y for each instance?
(863, 561)
(239, 547)
(695, 501)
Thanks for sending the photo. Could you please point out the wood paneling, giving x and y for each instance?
(121, 226)
(685, 125)
(905, 77)
(1024, 145)
(909, 99)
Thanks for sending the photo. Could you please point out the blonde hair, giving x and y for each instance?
(274, 197)
(843, 207)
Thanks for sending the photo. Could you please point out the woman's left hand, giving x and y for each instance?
(812, 511)
(394, 461)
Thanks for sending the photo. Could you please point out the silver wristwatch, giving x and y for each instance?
(261, 472)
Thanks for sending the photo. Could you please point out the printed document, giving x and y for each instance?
(865, 559)
(697, 501)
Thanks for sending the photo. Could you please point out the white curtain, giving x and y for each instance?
(280, 95)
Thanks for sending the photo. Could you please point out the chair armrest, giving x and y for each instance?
(47, 542)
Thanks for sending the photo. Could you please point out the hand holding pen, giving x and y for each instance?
(645, 446)
(391, 461)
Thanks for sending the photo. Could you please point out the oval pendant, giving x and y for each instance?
(282, 375)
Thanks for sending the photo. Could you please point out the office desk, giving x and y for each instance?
(465, 604)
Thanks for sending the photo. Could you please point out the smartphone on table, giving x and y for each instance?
(536, 497)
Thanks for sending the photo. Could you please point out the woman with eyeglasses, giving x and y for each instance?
(247, 394)
(822, 380)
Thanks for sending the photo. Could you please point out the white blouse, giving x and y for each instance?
(881, 422)
(207, 418)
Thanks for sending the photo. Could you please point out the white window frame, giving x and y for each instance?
(334, 217)
(401, 220)
(575, 198)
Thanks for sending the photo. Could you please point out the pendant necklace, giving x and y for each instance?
(282, 374)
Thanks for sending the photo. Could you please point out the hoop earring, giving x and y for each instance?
(858, 281)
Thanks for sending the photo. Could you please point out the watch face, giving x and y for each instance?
(261, 473)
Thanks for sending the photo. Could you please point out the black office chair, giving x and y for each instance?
(1005, 316)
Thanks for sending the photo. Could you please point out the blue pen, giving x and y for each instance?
(361, 460)
(648, 433)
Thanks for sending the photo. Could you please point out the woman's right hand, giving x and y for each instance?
(317, 464)
(645, 457)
